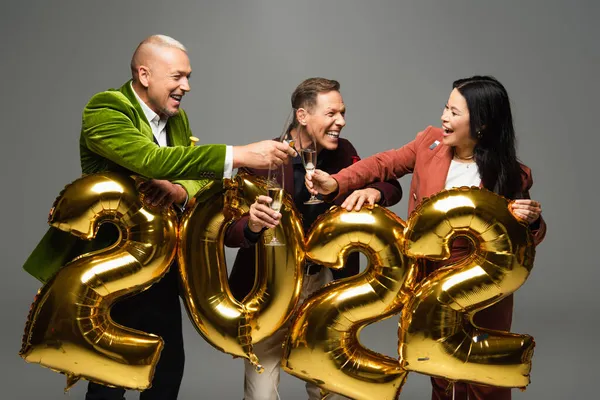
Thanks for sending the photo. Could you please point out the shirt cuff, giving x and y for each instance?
(228, 167)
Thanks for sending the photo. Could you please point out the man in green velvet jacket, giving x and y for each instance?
(140, 129)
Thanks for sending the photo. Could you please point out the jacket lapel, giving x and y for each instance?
(172, 140)
(176, 131)
(438, 169)
(127, 90)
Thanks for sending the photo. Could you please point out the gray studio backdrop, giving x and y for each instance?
(396, 61)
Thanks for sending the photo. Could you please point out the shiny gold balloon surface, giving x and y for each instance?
(227, 324)
(323, 345)
(69, 328)
(437, 336)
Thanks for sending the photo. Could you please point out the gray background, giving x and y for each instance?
(396, 61)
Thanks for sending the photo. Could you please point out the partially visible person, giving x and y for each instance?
(141, 129)
(474, 147)
(319, 111)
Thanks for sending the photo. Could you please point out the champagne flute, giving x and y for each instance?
(275, 192)
(274, 188)
(308, 151)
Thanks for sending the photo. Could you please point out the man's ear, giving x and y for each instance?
(144, 75)
(301, 114)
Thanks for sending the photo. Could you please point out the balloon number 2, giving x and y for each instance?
(69, 328)
(323, 345)
(436, 334)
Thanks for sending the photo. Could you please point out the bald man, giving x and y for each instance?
(141, 129)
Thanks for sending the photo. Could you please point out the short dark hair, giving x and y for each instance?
(305, 94)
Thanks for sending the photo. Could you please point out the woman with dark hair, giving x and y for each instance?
(474, 147)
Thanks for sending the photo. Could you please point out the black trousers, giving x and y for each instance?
(156, 310)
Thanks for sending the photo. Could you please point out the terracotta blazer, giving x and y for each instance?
(428, 161)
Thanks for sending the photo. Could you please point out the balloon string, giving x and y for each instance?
(245, 339)
(254, 361)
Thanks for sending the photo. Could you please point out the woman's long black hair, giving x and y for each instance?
(491, 125)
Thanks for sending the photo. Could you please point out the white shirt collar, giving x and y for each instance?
(151, 116)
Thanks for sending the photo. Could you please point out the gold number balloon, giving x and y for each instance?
(69, 328)
(437, 335)
(225, 323)
(323, 345)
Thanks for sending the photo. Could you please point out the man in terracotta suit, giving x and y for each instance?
(140, 129)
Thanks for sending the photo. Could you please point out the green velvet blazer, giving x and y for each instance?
(115, 136)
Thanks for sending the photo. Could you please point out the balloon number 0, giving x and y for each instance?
(228, 325)
(69, 327)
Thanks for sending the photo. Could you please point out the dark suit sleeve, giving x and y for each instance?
(239, 234)
(538, 228)
(391, 191)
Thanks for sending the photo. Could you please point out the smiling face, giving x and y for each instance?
(165, 80)
(456, 123)
(325, 120)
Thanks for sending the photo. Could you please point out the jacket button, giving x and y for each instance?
(414, 195)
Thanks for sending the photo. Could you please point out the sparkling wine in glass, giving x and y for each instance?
(275, 192)
(309, 159)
